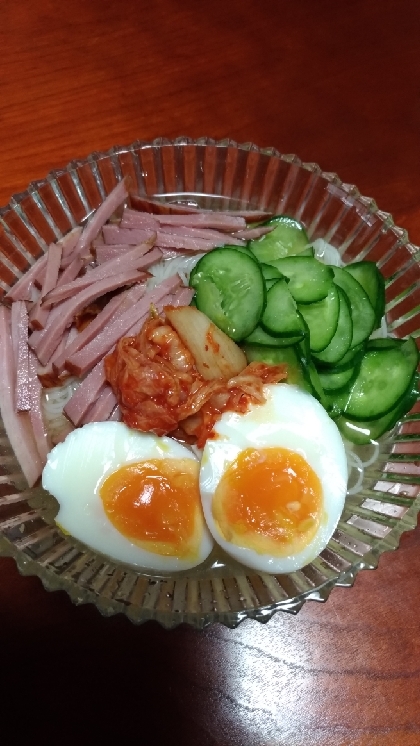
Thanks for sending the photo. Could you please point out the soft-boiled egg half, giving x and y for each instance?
(273, 481)
(131, 496)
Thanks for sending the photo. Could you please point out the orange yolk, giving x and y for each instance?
(269, 500)
(156, 504)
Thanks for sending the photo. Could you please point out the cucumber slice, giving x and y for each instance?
(309, 251)
(270, 273)
(333, 380)
(242, 249)
(310, 372)
(383, 343)
(230, 290)
(280, 317)
(384, 378)
(362, 312)
(322, 319)
(373, 283)
(260, 337)
(351, 358)
(363, 432)
(288, 237)
(309, 279)
(278, 356)
(340, 343)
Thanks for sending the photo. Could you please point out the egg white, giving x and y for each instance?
(290, 418)
(77, 467)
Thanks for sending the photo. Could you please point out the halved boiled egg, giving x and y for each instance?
(131, 496)
(273, 481)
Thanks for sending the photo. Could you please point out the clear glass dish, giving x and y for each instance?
(218, 175)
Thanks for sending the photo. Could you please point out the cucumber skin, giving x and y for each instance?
(364, 432)
(214, 278)
(404, 358)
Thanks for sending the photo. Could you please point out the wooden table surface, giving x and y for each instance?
(338, 84)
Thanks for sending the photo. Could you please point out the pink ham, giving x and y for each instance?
(37, 420)
(49, 339)
(86, 358)
(85, 394)
(39, 314)
(140, 257)
(102, 407)
(114, 307)
(182, 297)
(114, 199)
(208, 234)
(143, 204)
(105, 252)
(252, 233)
(69, 242)
(17, 425)
(71, 271)
(113, 234)
(21, 290)
(135, 219)
(19, 332)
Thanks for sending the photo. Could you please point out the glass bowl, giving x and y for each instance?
(218, 175)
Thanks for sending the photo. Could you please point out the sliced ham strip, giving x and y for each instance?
(69, 242)
(17, 424)
(71, 271)
(39, 314)
(251, 233)
(207, 233)
(182, 297)
(139, 257)
(37, 420)
(49, 339)
(114, 199)
(171, 241)
(105, 252)
(165, 208)
(19, 332)
(85, 394)
(115, 306)
(113, 234)
(52, 268)
(21, 290)
(210, 220)
(88, 356)
(135, 219)
(103, 407)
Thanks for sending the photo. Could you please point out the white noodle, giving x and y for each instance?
(356, 472)
(181, 264)
(327, 253)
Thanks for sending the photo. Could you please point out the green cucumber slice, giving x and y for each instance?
(278, 356)
(383, 379)
(362, 312)
(261, 338)
(288, 237)
(309, 279)
(270, 273)
(340, 343)
(362, 432)
(230, 290)
(373, 283)
(332, 380)
(322, 319)
(280, 316)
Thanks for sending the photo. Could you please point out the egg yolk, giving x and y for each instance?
(156, 504)
(269, 500)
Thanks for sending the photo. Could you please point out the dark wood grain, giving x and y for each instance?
(338, 84)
